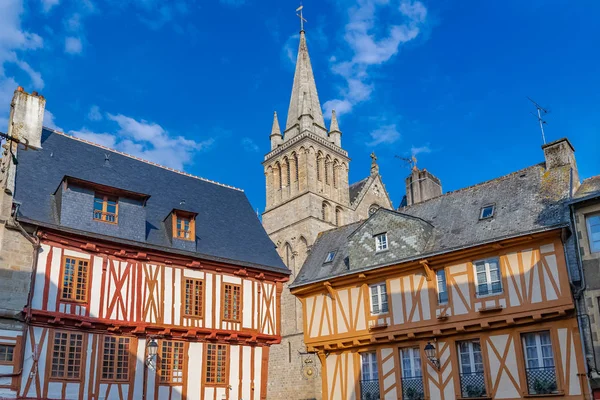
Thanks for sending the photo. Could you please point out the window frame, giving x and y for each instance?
(589, 232)
(105, 200)
(445, 284)
(369, 359)
(381, 245)
(380, 296)
(471, 353)
(183, 216)
(67, 356)
(488, 282)
(115, 361)
(538, 347)
(184, 312)
(169, 361)
(12, 346)
(492, 206)
(224, 368)
(411, 357)
(330, 257)
(72, 298)
(232, 310)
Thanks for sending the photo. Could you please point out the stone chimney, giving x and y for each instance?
(561, 153)
(25, 126)
(421, 185)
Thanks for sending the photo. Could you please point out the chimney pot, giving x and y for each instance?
(34, 93)
(20, 89)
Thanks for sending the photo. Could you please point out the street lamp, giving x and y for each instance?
(152, 349)
(431, 353)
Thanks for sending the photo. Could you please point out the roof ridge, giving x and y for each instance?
(499, 178)
(145, 161)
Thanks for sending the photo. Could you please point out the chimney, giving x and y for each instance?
(25, 127)
(27, 117)
(421, 185)
(561, 153)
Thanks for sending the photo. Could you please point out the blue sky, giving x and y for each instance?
(193, 84)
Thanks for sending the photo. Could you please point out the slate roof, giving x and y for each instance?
(527, 201)
(355, 189)
(227, 228)
(588, 188)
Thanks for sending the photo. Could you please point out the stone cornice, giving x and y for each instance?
(306, 134)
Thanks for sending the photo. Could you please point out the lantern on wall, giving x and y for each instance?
(431, 354)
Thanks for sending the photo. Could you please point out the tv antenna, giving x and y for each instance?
(542, 122)
(412, 161)
(299, 15)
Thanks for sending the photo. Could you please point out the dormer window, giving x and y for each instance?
(106, 208)
(487, 211)
(330, 257)
(381, 242)
(184, 225)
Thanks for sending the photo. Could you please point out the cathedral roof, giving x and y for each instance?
(356, 188)
(304, 90)
(227, 228)
(528, 201)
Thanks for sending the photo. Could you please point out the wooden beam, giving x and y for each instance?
(428, 271)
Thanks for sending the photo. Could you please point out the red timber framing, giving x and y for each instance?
(129, 270)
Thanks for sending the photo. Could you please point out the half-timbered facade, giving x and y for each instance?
(147, 283)
(465, 295)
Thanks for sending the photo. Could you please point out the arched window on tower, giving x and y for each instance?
(338, 217)
(319, 167)
(296, 167)
(325, 211)
(289, 176)
(336, 170)
(277, 171)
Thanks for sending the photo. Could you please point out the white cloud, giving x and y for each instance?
(249, 145)
(147, 140)
(386, 134)
(14, 42)
(47, 5)
(73, 45)
(363, 34)
(420, 150)
(290, 48)
(49, 121)
(94, 114)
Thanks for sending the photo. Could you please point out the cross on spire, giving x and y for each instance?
(299, 15)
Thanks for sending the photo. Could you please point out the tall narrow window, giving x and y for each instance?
(472, 380)
(327, 171)
(412, 377)
(487, 277)
(593, 225)
(232, 295)
(381, 242)
(171, 362)
(379, 302)
(216, 364)
(369, 382)
(194, 297)
(67, 351)
(296, 167)
(289, 173)
(7, 352)
(539, 359)
(319, 168)
(75, 279)
(325, 211)
(184, 226)
(105, 208)
(115, 359)
(335, 175)
(442, 289)
(338, 217)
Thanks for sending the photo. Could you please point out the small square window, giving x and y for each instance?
(593, 225)
(487, 212)
(6, 353)
(330, 257)
(381, 242)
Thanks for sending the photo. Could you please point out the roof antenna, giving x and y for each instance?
(411, 162)
(540, 110)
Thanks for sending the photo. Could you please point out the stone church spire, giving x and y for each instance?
(304, 90)
(276, 138)
(335, 135)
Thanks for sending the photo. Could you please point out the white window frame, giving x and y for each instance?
(442, 273)
(381, 298)
(594, 247)
(330, 256)
(471, 352)
(538, 347)
(381, 242)
(488, 279)
(369, 371)
(413, 355)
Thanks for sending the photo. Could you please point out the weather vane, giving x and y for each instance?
(299, 15)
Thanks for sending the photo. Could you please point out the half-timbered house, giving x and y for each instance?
(146, 283)
(461, 295)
